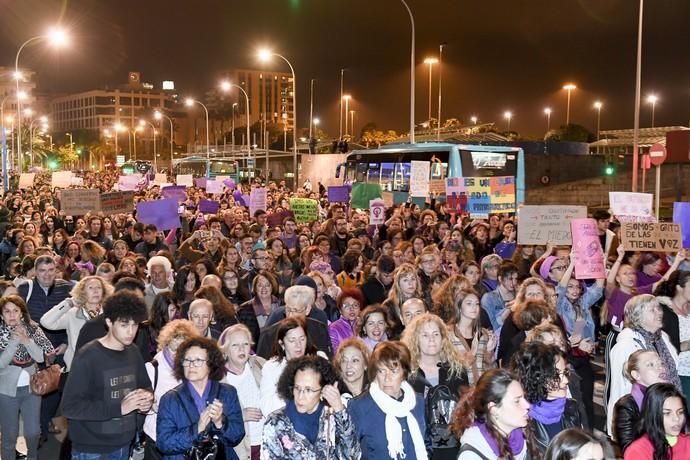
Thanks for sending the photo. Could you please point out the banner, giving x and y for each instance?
(681, 215)
(589, 257)
(77, 202)
(26, 180)
(305, 209)
(209, 206)
(175, 191)
(214, 186)
(257, 200)
(650, 236)
(200, 182)
(419, 178)
(362, 194)
(339, 194)
(128, 183)
(629, 206)
(116, 202)
(276, 219)
(377, 212)
(541, 224)
(161, 213)
(62, 179)
(481, 196)
(185, 179)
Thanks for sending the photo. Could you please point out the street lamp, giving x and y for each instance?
(227, 86)
(189, 102)
(569, 88)
(412, 69)
(58, 38)
(158, 115)
(440, 59)
(346, 98)
(134, 132)
(21, 95)
(508, 115)
(547, 112)
(317, 121)
(638, 91)
(430, 61)
(265, 55)
(652, 98)
(71, 144)
(598, 105)
(474, 119)
(352, 123)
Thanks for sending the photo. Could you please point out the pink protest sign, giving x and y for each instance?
(589, 258)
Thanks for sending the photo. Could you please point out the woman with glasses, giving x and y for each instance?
(350, 303)
(543, 372)
(201, 405)
(314, 422)
(489, 267)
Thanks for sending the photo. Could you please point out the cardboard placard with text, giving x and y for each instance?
(26, 180)
(305, 209)
(589, 260)
(651, 236)
(541, 224)
(419, 178)
(77, 202)
(116, 202)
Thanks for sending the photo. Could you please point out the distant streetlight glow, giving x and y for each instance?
(652, 99)
(430, 61)
(474, 120)
(598, 105)
(569, 87)
(547, 112)
(508, 115)
(317, 121)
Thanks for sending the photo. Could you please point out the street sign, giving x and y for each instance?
(657, 154)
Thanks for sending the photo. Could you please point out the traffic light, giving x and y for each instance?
(609, 170)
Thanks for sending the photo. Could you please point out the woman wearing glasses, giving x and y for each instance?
(201, 404)
(314, 422)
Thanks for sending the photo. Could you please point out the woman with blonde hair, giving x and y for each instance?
(351, 362)
(406, 285)
(437, 374)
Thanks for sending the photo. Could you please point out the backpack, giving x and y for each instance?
(438, 411)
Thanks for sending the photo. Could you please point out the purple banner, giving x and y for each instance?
(200, 182)
(339, 194)
(175, 191)
(681, 215)
(209, 206)
(161, 213)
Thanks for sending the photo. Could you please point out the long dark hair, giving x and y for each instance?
(566, 444)
(653, 417)
(668, 288)
(181, 281)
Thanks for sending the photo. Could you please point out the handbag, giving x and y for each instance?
(46, 380)
(206, 446)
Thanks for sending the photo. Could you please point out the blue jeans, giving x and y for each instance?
(119, 454)
(29, 406)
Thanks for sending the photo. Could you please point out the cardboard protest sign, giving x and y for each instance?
(338, 194)
(541, 224)
(77, 202)
(128, 183)
(388, 199)
(276, 219)
(589, 260)
(681, 215)
(362, 194)
(305, 209)
(209, 206)
(651, 236)
(77, 181)
(161, 213)
(160, 178)
(117, 202)
(481, 196)
(175, 191)
(632, 207)
(377, 212)
(257, 200)
(185, 179)
(62, 179)
(214, 186)
(26, 180)
(438, 186)
(419, 178)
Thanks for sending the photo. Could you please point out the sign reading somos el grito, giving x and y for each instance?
(648, 236)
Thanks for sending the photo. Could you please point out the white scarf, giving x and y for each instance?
(395, 409)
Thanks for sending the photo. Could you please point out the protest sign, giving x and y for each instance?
(62, 179)
(209, 206)
(681, 215)
(481, 196)
(116, 202)
(128, 183)
(175, 191)
(185, 179)
(339, 194)
(419, 178)
(305, 209)
(437, 186)
(275, 219)
(549, 223)
(589, 257)
(214, 186)
(77, 202)
(26, 180)
(77, 181)
(651, 236)
(200, 182)
(388, 199)
(362, 194)
(161, 213)
(632, 207)
(257, 200)
(377, 212)
(160, 178)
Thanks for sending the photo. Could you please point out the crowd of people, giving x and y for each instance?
(431, 336)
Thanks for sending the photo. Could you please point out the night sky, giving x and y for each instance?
(500, 55)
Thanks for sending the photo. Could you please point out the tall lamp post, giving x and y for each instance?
(440, 81)
(226, 86)
(638, 91)
(265, 55)
(158, 115)
(652, 98)
(346, 98)
(189, 102)
(598, 105)
(20, 95)
(547, 112)
(430, 61)
(569, 88)
(340, 105)
(508, 115)
(412, 69)
(352, 123)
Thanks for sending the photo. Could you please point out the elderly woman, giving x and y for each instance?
(643, 322)
(350, 303)
(243, 372)
(22, 343)
(314, 422)
(161, 372)
(390, 416)
(201, 405)
(351, 362)
(72, 313)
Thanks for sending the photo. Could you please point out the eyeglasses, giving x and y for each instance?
(305, 390)
(352, 305)
(295, 311)
(198, 362)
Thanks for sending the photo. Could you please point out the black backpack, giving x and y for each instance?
(439, 405)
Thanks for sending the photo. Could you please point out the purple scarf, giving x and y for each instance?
(169, 358)
(548, 412)
(637, 393)
(199, 399)
(516, 439)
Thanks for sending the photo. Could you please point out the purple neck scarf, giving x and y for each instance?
(516, 439)
(548, 412)
(637, 393)
(199, 399)
(169, 358)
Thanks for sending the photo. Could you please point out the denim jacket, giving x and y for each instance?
(567, 311)
(494, 304)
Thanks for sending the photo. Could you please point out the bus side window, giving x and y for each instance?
(361, 172)
(387, 176)
(402, 177)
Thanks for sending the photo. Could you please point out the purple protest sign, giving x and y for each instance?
(339, 194)
(209, 206)
(276, 219)
(161, 213)
(229, 183)
(200, 182)
(681, 215)
(589, 258)
(175, 191)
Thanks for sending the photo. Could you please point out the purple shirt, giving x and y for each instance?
(617, 300)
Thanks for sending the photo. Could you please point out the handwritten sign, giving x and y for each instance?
(26, 180)
(257, 200)
(62, 179)
(541, 224)
(160, 178)
(77, 202)
(305, 209)
(419, 178)
(339, 194)
(681, 215)
(161, 213)
(629, 206)
(377, 212)
(589, 260)
(214, 186)
(185, 179)
(650, 236)
(200, 182)
(481, 196)
(117, 202)
(438, 186)
(128, 183)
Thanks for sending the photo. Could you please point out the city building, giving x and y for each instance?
(8, 88)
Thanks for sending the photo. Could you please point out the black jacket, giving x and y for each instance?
(373, 291)
(626, 416)
(570, 419)
(316, 331)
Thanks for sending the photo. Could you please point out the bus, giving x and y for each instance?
(481, 172)
(197, 166)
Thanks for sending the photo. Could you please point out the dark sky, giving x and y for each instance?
(500, 54)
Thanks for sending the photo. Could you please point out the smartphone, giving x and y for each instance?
(180, 210)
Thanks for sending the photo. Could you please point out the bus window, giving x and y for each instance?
(374, 173)
(402, 177)
(361, 172)
(387, 176)
(439, 170)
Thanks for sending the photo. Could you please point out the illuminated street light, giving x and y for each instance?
(508, 115)
(547, 112)
(189, 102)
(317, 121)
(474, 119)
(569, 88)
(346, 98)
(227, 86)
(430, 61)
(652, 99)
(159, 116)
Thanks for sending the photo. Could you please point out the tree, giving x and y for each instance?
(571, 133)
